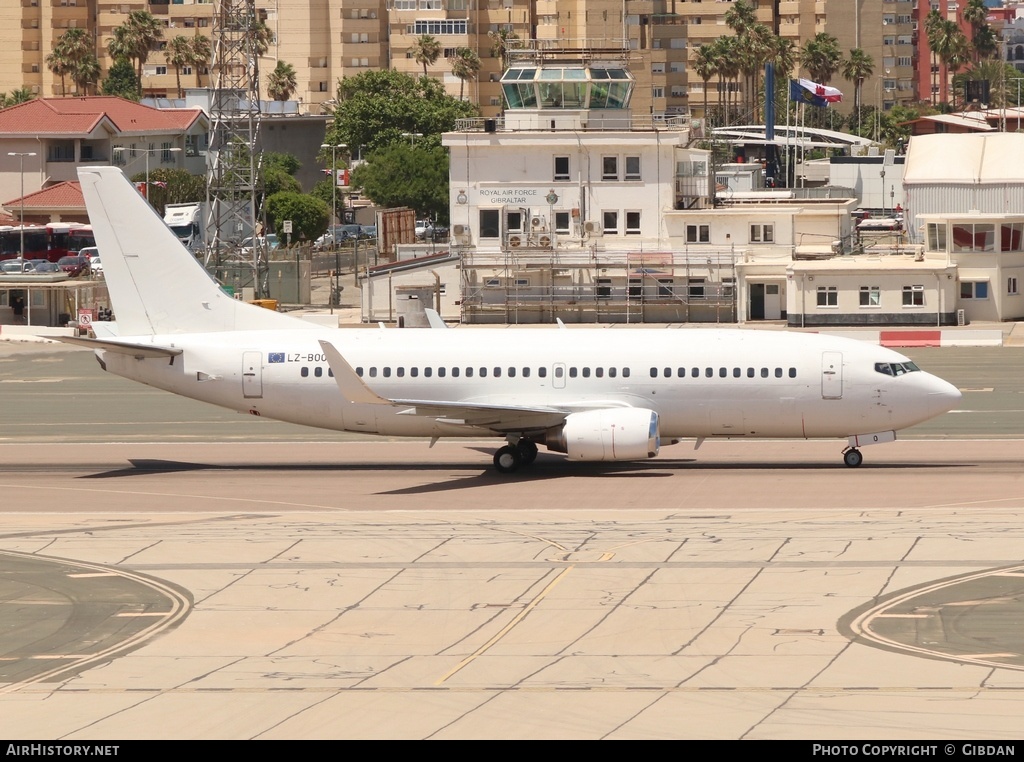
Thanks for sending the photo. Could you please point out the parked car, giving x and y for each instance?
(46, 267)
(428, 231)
(332, 236)
(368, 231)
(90, 252)
(96, 265)
(74, 265)
(17, 265)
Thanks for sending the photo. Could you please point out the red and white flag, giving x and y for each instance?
(830, 94)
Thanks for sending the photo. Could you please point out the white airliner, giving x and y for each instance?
(594, 394)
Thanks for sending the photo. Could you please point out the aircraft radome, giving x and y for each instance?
(594, 394)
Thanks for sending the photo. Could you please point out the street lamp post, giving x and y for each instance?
(334, 213)
(147, 151)
(21, 155)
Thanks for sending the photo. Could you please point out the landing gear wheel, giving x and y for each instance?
(853, 458)
(507, 459)
(527, 451)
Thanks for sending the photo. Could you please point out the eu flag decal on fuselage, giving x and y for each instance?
(275, 357)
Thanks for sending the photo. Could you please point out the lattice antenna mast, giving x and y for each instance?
(234, 177)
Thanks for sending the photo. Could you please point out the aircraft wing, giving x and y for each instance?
(496, 417)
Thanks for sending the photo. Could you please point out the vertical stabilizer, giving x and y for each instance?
(156, 285)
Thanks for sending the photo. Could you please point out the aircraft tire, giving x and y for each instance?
(507, 459)
(527, 451)
(853, 457)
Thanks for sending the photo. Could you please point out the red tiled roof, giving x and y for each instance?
(57, 116)
(65, 195)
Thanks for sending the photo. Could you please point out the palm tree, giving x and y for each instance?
(59, 64)
(135, 38)
(858, 67)
(983, 39)
(426, 50)
(502, 41)
(202, 51)
(821, 57)
(73, 54)
(86, 73)
(948, 43)
(727, 57)
(281, 82)
(179, 53)
(705, 63)
(465, 65)
(262, 36)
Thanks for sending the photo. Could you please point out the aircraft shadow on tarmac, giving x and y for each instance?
(544, 468)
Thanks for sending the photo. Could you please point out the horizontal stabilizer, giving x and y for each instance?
(120, 347)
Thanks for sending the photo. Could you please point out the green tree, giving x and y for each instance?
(426, 50)
(325, 191)
(503, 41)
(309, 215)
(135, 38)
(704, 62)
(406, 175)
(465, 65)
(858, 67)
(202, 53)
(378, 108)
(821, 57)
(21, 95)
(282, 82)
(178, 54)
(121, 81)
(172, 186)
(283, 161)
(60, 66)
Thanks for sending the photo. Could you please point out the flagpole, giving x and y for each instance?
(789, 159)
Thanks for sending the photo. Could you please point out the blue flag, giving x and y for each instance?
(800, 94)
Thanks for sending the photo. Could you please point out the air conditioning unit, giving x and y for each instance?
(545, 241)
(537, 222)
(460, 230)
(515, 241)
(592, 228)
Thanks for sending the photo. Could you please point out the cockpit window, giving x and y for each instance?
(895, 368)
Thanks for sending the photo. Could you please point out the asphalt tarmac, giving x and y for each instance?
(170, 570)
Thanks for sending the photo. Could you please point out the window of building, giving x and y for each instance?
(610, 221)
(698, 233)
(657, 92)
(562, 220)
(913, 296)
(632, 168)
(974, 289)
(1010, 236)
(1011, 286)
(439, 26)
(762, 233)
(870, 296)
(695, 288)
(604, 288)
(936, 236)
(828, 296)
(561, 168)
(490, 223)
(610, 168)
(632, 223)
(970, 237)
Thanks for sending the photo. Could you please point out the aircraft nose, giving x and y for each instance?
(942, 395)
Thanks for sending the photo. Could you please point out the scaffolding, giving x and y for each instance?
(234, 179)
(588, 286)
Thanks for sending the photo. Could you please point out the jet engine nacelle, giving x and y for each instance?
(618, 434)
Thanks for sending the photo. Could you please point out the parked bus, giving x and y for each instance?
(36, 241)
(56, 240)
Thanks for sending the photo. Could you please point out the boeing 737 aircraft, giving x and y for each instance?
(592, 393)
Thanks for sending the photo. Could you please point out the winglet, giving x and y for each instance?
(352, 387)
(434, 319)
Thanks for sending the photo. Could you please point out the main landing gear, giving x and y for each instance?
(513, 455)
(852, 457)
